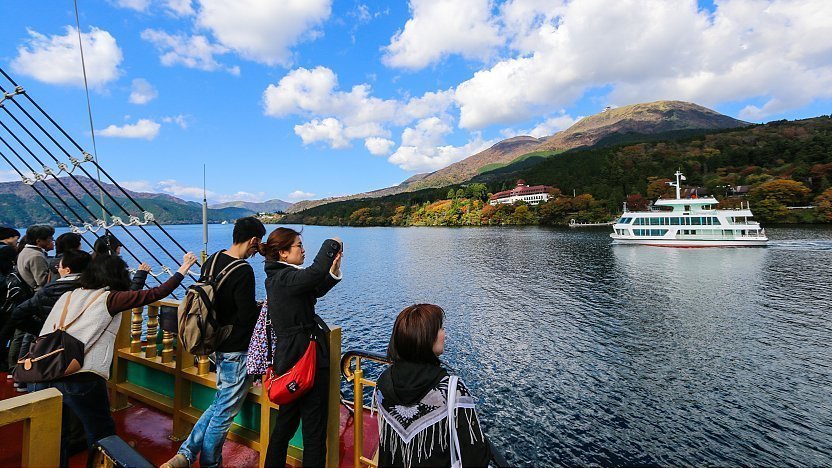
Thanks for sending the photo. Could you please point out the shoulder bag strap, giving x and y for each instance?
(456, 454)
(228, 269)
(90, 303)
(213, 260)
(60, 323)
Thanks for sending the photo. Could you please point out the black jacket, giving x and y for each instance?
(292, 293)
(138, 280)
(30, 314)
(235, 302)
(414, 386)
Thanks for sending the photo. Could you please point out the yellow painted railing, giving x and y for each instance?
(351, 369)
(188, 371)
(41, 429)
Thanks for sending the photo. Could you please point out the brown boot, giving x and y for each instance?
(178, 461)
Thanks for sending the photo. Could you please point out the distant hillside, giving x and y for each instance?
(268, 206)
(641, 119)
(20, 206)
(766, 158)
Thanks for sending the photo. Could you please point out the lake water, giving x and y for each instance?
(581, 352)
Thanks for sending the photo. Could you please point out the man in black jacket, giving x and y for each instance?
(236, 306)
(31, 313)
(8, 255)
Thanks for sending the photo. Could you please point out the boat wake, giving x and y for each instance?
(802, 244)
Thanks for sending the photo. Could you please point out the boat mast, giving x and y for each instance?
(678, 184)
(204, 218)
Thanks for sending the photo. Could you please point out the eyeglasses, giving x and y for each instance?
(299, 245)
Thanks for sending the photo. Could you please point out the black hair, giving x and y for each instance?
(106, 271)
(39, 232)
(66, 242)
(7, 232)
(76, 260)
(106, 245)
(246, 228)
(414, 334)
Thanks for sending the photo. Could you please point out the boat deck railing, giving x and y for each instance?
(160, 374)
(41, 429)
(353, 372)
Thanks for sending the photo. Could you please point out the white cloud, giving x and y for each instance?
(144, 128)
(173, 187)
(239, 196)
(191, 51)
(262, 30)
(57, 60)
(343, 116)
(329, 130)
(180, 120)
(142, 92)
(444, 27)
(180, 7)
(138, 185)
(428, 159)
(428, 132)
(9, 176)
(552, 125)
(138, 5)
(379, 146)
(298, 195)
(775, 51)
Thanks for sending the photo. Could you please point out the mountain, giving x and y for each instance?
(21, 206)
(268, 206)
(637, 119)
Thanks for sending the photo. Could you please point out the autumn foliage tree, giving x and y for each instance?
(824, 204)
(636, 202)
(784, 191)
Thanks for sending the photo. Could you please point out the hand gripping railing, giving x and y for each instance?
(351, 370)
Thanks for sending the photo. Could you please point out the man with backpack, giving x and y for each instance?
(8, 256)
(234, 304)
(33, 268)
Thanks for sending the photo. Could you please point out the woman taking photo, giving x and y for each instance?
(93, 313)
(292, 292)
(413, 398)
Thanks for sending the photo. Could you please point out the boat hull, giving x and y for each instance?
(658, 242)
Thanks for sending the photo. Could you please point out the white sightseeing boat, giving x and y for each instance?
(689, 222)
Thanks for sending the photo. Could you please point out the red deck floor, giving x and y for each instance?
(147, 429)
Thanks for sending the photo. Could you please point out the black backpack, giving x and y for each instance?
(17, 291)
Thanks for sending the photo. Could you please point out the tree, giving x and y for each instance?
(824, 204)
(636, 202)
(659, 189)
(460, 193)
(770, 210)
(785, 191)
(451, 194)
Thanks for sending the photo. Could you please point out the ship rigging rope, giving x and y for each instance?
(89, 107)
(74, 143)
(147, 217)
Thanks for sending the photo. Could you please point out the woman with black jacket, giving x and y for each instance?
(292, 292)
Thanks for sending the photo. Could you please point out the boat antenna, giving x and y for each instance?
(89, 112)
(204, 218)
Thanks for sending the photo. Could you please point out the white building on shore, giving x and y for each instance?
(522, 192)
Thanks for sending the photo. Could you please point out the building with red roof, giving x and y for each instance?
(530, 194)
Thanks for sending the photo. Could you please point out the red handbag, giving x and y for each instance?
(298, 380)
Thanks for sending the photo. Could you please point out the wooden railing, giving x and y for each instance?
(41, 429)
(188, 371)
(351, 370)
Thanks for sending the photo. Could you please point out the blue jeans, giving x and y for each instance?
(85, 394)
(209, 432)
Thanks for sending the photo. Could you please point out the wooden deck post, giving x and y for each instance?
(334, 401)
(152, 331)
(41, 429)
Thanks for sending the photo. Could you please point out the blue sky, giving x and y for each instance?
(311, 99)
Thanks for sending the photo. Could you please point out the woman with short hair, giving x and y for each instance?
(412, 397)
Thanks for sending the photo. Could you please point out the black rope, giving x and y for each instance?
(42, 196)
(98, 167)
(60, 182)
(84, 187)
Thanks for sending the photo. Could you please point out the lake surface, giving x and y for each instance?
(581, 352)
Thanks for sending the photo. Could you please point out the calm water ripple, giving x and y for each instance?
(585, 353)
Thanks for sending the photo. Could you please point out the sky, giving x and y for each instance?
(318, 98)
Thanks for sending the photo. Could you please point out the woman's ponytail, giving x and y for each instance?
(280, 239)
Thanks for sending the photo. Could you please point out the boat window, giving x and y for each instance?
(675, 221)
(696, 221)
(715, 221)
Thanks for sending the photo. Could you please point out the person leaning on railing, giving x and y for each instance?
(94, 314)
(413, 397)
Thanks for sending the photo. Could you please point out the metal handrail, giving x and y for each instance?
(356, 375)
